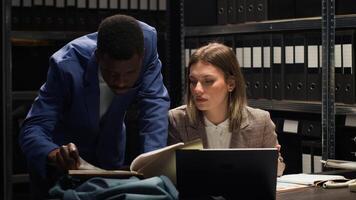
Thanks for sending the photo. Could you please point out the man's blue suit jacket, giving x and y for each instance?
(67, 108)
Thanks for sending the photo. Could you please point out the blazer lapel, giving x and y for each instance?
(199, 132)
(91, 90)
(244, 124)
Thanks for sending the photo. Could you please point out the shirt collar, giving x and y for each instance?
(223, 124)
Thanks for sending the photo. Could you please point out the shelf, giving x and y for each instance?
(299, 106)
(24, 95)
(47, 35)
(342, 21)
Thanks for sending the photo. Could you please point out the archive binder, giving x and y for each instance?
(49, 17)
(311, 128)
(191, 44)
(92, 16)
(256, 70)
(26, 15)
(338, 67)
(294, 68)
(314, 70)
(37, 15)
(281, 9)
(154, 5)
(231, 11)
(250, 10)
(244, 56)
(16, 10)
(70, 15)
(267, 76)
(308, 8)
(59, 18)
(81, 15)
(240, 11)
(348, 80)
(289, 68)
(229, 41)
(221, 11)
(208, 16)
(261, 10)
(344, 7)
(277, 66)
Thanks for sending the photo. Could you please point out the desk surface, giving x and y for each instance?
(317, 193)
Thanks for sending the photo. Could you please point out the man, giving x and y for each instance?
(80, 110)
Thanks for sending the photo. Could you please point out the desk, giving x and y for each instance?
(317, 193)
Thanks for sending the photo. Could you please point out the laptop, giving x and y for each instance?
(248, 173)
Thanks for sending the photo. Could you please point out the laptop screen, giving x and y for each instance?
(248, 173)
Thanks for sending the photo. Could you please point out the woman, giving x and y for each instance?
(216, 109)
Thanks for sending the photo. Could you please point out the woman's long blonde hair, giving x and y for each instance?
(223, 58)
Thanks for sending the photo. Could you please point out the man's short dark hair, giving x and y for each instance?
(120, 37)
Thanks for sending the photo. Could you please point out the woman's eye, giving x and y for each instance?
(193, 82)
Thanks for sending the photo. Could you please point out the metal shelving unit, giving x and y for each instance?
(7, 101)
(46, 35)
(327, 23)
(342, 21)
(300, 106)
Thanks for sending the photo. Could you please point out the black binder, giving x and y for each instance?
(344, 7)
(229, 41)
(257, 70)
(261, 10)
(104, 11)
(81, 14)
(244, 55)
(281, 9)
(313, 49)
(308, 8)
(207, 16)
(277, 66)
(16, 10)
(289, 68)
(267, 76)
(311, 128)
(294, 67)
(49, 17)
(26, 15)
(240, 11)
(38, 15)
(250, 10)
(92, 16)
(338, 67)
(221, 11)
(70, 18)
(231, 11)
(348, 80)
(190, 45)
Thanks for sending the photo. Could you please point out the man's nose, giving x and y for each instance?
(120, 81)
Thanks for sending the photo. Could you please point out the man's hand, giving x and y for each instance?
(66, 157)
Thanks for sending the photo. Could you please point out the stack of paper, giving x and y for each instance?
(295, 181)
(340, 164)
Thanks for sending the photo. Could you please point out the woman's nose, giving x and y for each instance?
(198, 89)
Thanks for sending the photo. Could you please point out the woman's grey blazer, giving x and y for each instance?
(257, 130)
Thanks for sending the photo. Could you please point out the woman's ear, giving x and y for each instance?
(231, 84)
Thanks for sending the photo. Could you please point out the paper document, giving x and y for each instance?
(340, 164)
(308, 179)
(281, 186)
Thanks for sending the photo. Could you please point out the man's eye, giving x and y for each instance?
(209, 81)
